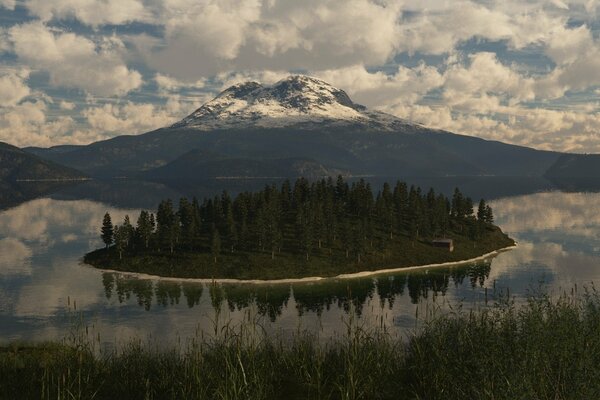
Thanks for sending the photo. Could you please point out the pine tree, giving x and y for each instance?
(128, 232)
(107, 230)
(167, 225)
(230, 228)
(481, 211)
(187, 221)
(120, 240)
(144, 228)
(215, 245)
(489, 215)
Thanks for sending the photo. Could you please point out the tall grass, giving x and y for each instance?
(547, 348)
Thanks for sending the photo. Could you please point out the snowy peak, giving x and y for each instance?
(296, 100)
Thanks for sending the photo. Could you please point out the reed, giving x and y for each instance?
(546, 348)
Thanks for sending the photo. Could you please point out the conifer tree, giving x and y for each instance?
(488, 215)
(120, 240)
(128, 232)
(230, 228)
(215, 244)
(144, 228)
(107, 230)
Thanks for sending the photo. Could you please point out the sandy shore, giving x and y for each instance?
(309, 278)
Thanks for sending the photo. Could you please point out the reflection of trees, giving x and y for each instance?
(238, 296)
(388, 287)
(192, 293)
(108, 281)
(143, 291)
(167, 293)
(347, 294)
(269, 300)
(477, 274)
(421, 284)
(217, 295)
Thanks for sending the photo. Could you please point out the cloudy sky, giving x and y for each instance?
(524, 72)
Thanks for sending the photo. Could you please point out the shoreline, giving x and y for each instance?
(308, 279)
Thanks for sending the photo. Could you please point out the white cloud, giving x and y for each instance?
(407, 85)
(66, 105)
(471, 86)
(26, 125)
(9, 4)
(91, 12)
(5, 44)
(13, 87)
(167, 83)
(74, 61)
(130, 118)
(213, 36)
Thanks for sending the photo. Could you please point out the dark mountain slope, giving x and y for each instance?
(575, 166)
(298, 118)
(198, 164)
(18, 165)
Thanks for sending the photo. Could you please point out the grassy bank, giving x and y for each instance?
(545, 349)
(402, 252)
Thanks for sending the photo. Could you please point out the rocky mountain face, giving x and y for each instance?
(298, 126)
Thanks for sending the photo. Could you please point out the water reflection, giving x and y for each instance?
(318, 297)
(42, 279)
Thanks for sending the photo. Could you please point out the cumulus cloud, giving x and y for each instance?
(75, 61)
(91, 12)
(407, 85)
(26, 125)
(9, 4)
(67, 105)
(167, 83)
(128, 118)
(13, 88)
(537, 54)
(252, 35)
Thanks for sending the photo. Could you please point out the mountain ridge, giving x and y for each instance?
(18, 165)
(297, 118)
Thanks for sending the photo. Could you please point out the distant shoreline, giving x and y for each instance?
(54, 180)
(308, 279)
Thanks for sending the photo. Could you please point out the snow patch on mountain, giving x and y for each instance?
(295, 101)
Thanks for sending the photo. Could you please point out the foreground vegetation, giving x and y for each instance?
(324, 228)
(545, 349)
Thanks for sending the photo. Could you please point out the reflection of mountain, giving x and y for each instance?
(119, 192)
(270, 300)
(15, 193)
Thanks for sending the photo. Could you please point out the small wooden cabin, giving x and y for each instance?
(444, 243)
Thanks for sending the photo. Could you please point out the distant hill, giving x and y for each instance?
(575, 166)
(298, 124)
(18, 165)
(199, 164)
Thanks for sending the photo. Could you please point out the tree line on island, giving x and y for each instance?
(300, 218)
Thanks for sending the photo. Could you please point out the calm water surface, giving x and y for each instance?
(45, 290)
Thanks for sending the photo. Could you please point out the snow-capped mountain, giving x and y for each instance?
(296, 100)
(299, 126)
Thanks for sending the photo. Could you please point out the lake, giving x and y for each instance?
(45, 291)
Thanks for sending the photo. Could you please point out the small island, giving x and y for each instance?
(302, 229)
